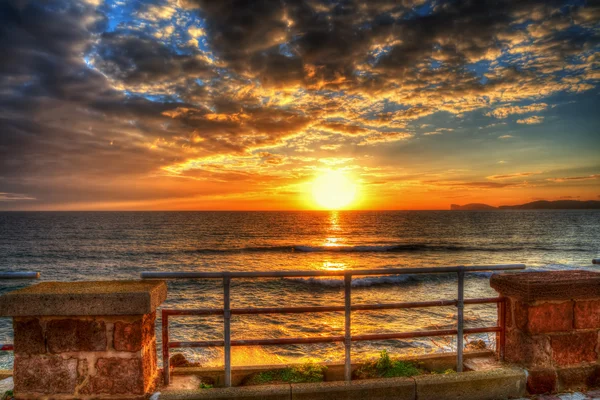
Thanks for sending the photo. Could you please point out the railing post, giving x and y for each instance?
(460, 306)
(165, 348)
(227, 328)
(347, 327)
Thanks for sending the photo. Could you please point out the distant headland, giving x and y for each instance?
(535, 205)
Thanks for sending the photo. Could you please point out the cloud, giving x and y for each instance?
(505, 137)
(512, 176)
(160, 90)
(575, 178)
(14, 197)
(531, 120)
(503, 112)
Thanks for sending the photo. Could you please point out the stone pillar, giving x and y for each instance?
(553, 327)
(84, 340)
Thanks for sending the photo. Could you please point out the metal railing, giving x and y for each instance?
(347, 338)
(10, 276)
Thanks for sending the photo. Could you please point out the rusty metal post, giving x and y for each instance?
(165, 347)
(460, 306)
(227, 328)
(347, 327)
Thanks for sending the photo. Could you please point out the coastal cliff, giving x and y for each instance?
(535, 205)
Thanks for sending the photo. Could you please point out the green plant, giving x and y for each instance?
(384, 361)
(7, 395)
(205, 385)
(308, 372)
(385, 367)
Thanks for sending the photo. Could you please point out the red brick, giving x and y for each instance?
(587, 314)
(540, 381)
(550, 317)
(116, 376)
(135, 335)
(574, 348)
(44, 374)
(526, 350)
(29, 336)
(64, 335)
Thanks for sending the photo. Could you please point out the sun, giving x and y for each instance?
(333, 190)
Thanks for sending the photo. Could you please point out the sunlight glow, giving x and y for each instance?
(333, 190)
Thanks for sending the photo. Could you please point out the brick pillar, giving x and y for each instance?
(84, 340)
(553, 327)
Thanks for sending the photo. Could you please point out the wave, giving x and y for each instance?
(416, 278)
(384, 279)
(392, 248)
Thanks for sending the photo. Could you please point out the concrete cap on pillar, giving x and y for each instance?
(84, 298)
(548, 285)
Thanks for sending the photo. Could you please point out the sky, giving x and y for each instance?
(243, 105)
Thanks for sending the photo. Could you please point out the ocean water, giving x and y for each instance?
(119, 245)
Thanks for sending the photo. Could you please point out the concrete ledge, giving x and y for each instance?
(372, 389)
(502, 383)
(476, 385)
(334, 372)
(266, 392)
(84, 298)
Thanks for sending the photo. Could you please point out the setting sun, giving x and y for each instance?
(333, 190)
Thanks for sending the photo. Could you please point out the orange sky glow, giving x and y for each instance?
(181, 105)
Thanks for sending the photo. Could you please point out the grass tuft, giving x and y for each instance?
(385, 367)
(308, 372)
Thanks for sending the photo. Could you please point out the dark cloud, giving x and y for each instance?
(134, 61)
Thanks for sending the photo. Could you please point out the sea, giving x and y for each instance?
(76, 246)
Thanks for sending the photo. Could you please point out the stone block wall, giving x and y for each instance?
(552, 330)
(85, 357)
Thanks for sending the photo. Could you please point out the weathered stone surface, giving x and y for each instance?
(263, 392)
(44, 374)
(29, 336)
(509, 313)
(84, 298)
(64, 335)
(116, 376)
(527, 350)
(132, 336)
(578, 377)
(387, 388)
(521, 313)
(548, 285)
(476, 385)
(149, 367)
(574, 348)
(550, 317)
(540, 381)
(587, 314)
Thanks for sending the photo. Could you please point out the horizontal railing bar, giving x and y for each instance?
(19, 275)
(297, 274)
(410, 335)
(332, 339)
(318, 309)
